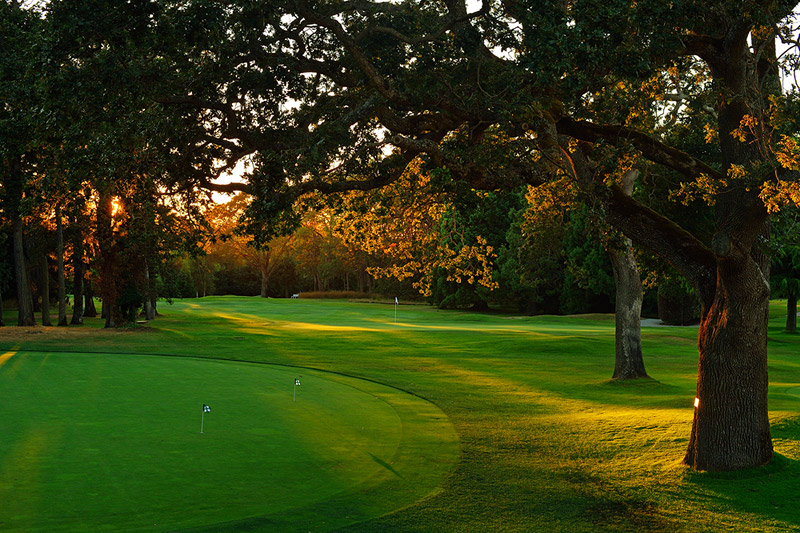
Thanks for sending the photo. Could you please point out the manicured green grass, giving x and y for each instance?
(547, 442)
(112, 442)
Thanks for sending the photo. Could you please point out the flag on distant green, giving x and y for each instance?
(206, 408)
(296, 381)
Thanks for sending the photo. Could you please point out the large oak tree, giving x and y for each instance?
(335, 96)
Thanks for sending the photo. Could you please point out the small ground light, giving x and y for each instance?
(696, 402)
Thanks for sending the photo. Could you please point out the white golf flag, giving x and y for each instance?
(206, 408)
(296, 381)
(395, 301)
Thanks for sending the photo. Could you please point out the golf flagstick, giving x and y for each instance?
(206, 409)
(395, 309)
(296, 384)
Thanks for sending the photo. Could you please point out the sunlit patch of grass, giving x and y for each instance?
(20, 472)
(6, 356)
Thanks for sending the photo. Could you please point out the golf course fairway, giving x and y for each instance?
(97, 442)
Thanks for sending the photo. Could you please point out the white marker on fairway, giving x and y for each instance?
(206, 409)
(395, 309)
(296, 384)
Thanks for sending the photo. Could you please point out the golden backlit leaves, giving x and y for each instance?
(780, 192)
(224, 219)
(410, 230)
(704, 187)
(775, 195)
(747, 128)
(788, 153)
(712, 136)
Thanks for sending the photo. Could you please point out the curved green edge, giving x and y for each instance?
(428, 451)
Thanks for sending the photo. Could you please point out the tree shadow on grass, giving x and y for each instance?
(769, 491)
(609, 507)
(646, 392)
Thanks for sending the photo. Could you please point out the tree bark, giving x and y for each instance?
(62, 289)
(730, 430)
(791, 312)
(77, 267)
(45, 290)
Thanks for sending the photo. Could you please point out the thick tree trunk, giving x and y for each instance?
(731, 419)
(24, 299)
(628, 363)
(791, 312)
(62, 289)
(45, 290)
(730, 430)
(77, 267)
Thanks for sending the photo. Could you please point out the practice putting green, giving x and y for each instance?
(107, 442)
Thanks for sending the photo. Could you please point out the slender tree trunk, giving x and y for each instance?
(15, 185)
(89, 309)
(62, 289)
(628, 363)
(45, 290)
(791, 312)
(154, 298)
(264, 280)
(24, 299)
(108, 261)
(77, 267)
(730, 430)
(149, 310)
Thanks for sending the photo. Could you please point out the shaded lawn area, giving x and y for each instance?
(548, 442)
